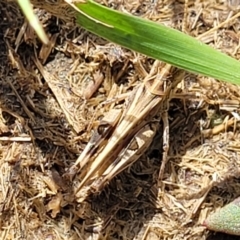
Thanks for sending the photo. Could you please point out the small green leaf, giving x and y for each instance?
(226, 220)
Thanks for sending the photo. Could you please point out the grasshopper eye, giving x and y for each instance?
(103, 128)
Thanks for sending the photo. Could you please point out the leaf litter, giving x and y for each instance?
(53, 98)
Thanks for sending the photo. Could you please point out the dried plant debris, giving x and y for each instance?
(52, 98)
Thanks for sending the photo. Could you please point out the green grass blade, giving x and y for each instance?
(27, 9)
(157, 41)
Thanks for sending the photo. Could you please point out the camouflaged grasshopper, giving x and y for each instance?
(122, 137)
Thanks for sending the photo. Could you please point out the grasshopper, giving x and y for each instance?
(122, 139)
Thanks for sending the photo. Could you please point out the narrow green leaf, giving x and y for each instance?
(32, 19)
(157, 41)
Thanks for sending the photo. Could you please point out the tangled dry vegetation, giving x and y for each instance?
(50, 102)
